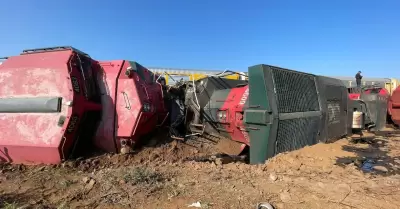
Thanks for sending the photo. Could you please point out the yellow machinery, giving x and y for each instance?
(173, 75)
(392, 85)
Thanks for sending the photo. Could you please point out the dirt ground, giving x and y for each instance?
(343, 174)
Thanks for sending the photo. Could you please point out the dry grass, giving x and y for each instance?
(7, 205)
(143, 176)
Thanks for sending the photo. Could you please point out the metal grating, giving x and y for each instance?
(294, 134)
(334, 112)
(377, 109)
(296, 92)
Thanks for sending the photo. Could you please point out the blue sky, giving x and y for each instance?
(325, 37)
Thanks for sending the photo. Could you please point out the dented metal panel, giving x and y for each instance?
(131, 102)
(377, 109)
(128, 103)
(35, 83)
(107, 80)
(43, 79)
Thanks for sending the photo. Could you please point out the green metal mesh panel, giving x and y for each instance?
(305, 134)
(296, 92)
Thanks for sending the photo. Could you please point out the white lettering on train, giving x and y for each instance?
(72, 124)
(245, 134)
(244, 97)
(75, 84)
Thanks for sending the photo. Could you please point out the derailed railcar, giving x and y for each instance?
(394, 107)
(55, 102)
(373, 102)
(336, 109)
(377, 106)
(278, 110)
(48, 104)
(215, 108)
(113, 104)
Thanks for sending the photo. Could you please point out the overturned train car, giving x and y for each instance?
(56, 101)
(275, 110)
(372, 102)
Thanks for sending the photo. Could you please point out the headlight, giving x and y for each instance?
(222, 115)
(146, 107)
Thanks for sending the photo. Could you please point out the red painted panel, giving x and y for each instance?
(151, 94)
(129, 103)
(354, 96)
(234, 104)
(382, 91)
(134, 92)
(394, 106)
(36, 137)
(107, 80)
(123, 98)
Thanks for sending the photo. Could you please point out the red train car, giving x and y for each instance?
(374, 100)
(394, 107)
(46, 97)
(56, 101)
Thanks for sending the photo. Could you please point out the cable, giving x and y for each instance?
(194, 91)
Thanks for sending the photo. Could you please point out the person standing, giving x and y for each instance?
(358, 79)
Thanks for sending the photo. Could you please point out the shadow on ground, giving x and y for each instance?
(372, 156)
(12, 200)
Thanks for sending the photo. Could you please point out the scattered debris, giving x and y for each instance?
(273, 176)
(196, 205)
(86, 179)
(42, 168)
(380, 168)
(367, 165)
(68, 164)
(90, 185)
(285, 196)
(200, 205)
(298, 179)
(219, 159)
(264, 205)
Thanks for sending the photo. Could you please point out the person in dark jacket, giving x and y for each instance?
(358, 78)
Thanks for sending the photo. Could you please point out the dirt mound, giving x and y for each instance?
(341, 156)
(155, 152)
(337, 175)
(317, 158)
